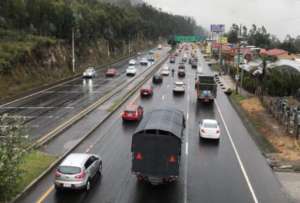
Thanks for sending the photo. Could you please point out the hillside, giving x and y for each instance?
(35, 31)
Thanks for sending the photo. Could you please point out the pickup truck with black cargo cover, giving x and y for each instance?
(156, 146)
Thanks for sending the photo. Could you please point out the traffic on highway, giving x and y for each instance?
(176, 138)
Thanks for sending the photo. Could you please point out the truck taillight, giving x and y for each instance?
(172, 159)
(138, 156)
(202, 130)
(218, 131)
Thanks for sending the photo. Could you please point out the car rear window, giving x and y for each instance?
(130, 111)
(210, 125)
(69, 170)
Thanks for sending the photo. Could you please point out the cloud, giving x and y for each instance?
(280, 17)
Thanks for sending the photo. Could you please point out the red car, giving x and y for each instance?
(133, 113)
(111, 72)
(146, 90)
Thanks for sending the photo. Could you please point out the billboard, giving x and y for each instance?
(223, 40)
(189, 38)
(217, 28)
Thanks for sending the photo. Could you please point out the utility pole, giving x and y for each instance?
(73, 50)
(220, 53)
(237, 77)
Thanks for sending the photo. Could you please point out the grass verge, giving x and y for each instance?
(251, 125)
(33, 165)
(237, 97)
(215, 67)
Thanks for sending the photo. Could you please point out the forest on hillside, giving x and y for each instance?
(92, 19)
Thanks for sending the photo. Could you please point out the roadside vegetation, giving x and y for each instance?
(270, 131)
(260, 37)
(18, 165)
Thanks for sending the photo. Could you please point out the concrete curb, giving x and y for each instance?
(59, 159)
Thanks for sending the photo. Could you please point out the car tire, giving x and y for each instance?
(88, 185)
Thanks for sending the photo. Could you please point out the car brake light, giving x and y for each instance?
(57, 174)
(138, 156)
(172, 159)
(81, 175)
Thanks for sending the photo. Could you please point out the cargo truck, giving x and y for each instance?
(206, 87)
(156, 146)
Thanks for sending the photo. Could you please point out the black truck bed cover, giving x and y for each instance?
(165, 119)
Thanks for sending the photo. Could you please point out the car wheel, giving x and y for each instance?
(88, 185)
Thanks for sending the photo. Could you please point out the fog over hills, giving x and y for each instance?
(124, 2)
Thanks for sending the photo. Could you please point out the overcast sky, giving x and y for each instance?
(280, 17)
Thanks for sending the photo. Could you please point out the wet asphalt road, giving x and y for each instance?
(232, 171)
(49, 108)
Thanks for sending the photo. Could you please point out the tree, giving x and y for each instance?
(13, 142)
(233, 34)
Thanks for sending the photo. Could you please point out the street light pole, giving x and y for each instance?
(73, 50)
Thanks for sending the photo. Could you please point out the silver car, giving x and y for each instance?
(89, 73)
(179, 87)
(77, 170)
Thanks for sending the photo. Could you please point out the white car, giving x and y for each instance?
(131, 71)
(90, 72)
(159, 47)
(144, 62)
(209, 129)
(165, 71)
(132, 62)
(179, 87)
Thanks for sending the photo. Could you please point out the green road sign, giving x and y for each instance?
(189, 38)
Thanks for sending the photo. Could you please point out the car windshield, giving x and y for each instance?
(210, 125)
(69, 170)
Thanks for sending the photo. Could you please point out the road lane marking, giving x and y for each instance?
(186, 146)
(45, 195)
(39, 92)
(238, 156)
(163, 97)
(135, 98)
(36, 107)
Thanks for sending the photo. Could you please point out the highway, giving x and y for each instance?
(47, 109)
(232, 171)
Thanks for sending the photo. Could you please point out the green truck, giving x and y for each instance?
(206, 87)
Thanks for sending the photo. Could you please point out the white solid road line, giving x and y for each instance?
(39, 92)
(36, 107)
(238, 157)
